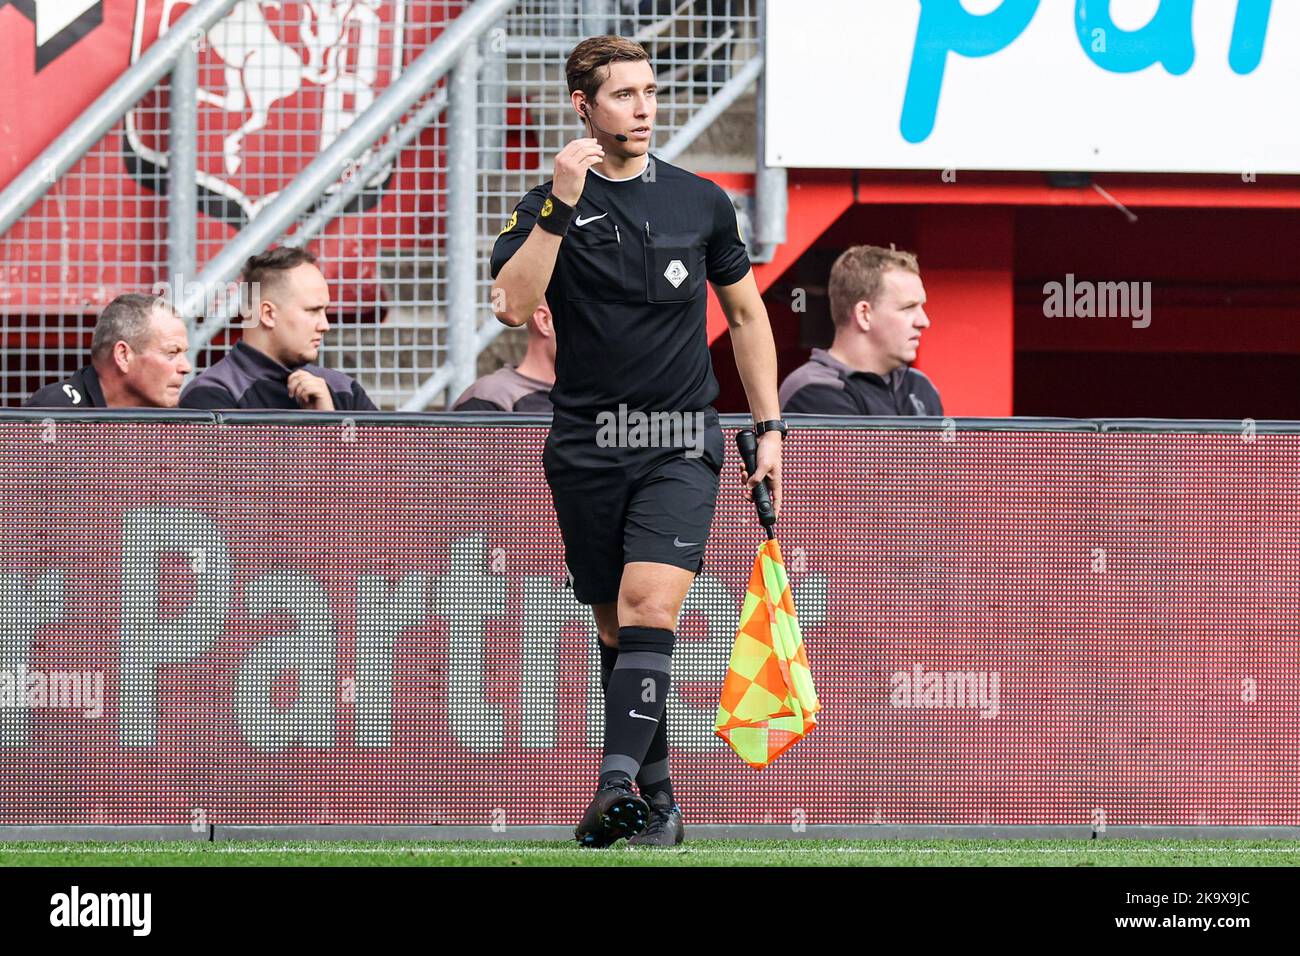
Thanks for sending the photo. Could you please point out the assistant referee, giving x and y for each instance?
(620, 244)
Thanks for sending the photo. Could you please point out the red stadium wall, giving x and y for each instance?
(119, 191)
(1222, 256)
(363, 621)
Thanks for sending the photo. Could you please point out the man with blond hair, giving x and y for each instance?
(878, 306)
(620, 244)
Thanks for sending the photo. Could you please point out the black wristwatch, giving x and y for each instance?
(771, 425)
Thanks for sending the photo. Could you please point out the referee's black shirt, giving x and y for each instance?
(628, 293)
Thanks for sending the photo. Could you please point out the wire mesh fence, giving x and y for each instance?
(277, 83)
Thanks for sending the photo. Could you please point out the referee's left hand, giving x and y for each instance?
(769, 467)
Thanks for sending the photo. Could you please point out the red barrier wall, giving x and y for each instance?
(364, 622)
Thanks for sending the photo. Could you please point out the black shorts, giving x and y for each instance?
(621, 504)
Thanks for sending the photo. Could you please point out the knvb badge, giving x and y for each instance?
(676, 273)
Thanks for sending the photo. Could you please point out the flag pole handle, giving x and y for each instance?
(747, 445)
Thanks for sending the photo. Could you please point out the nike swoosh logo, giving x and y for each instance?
(582, 222)
(679, 543)
(633, 713)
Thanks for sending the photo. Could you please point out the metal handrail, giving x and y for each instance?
(380, 160)
(306, 187)
(98, 118)
(718, 104)
(175, 51)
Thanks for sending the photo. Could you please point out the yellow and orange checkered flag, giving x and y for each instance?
(768, 700)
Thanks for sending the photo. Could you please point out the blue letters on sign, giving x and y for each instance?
(945, 27)
(1166, 39)
(1248, 35)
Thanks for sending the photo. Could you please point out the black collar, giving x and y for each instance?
(259, 362)
(90, 382)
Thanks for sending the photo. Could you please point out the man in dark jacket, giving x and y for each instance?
(878, 304)
(138, 359)
(269, 367)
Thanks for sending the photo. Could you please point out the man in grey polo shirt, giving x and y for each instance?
(525, 387)
(878, 305)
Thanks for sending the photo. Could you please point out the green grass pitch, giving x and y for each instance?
(693, 853)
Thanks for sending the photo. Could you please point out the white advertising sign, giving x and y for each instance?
(1207, 86)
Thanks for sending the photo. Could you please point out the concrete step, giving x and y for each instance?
(729, 144)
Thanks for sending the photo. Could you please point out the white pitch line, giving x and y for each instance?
(452, 848)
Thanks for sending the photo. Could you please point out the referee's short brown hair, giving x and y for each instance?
(857, 273)
(586, 67)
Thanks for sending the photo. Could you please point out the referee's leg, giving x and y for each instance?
(636, 644)
(651, 596)
(666, 523)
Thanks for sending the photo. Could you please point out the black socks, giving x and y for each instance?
(653, 777)
(634, 705)
(608, 658)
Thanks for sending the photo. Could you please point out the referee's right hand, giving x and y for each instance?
(571, 165)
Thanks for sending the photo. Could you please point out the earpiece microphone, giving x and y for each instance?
(587, 113)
